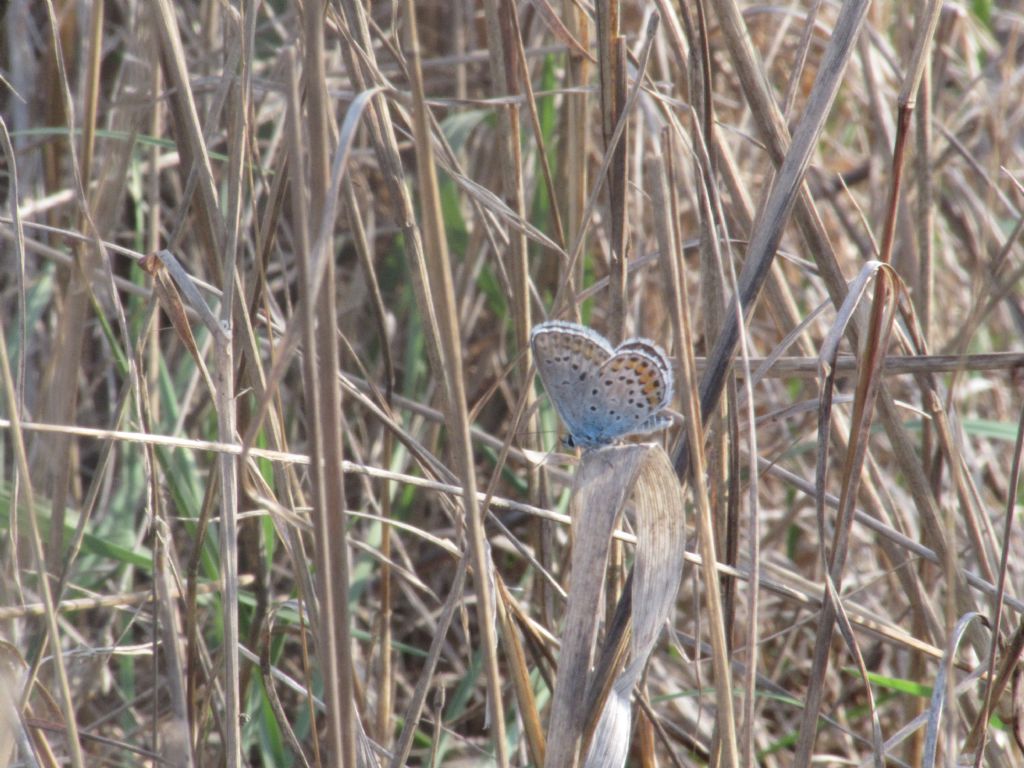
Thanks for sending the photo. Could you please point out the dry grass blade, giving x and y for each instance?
(834, 555)
(677, 292)
(442, 296)
(18, 246)
(191, 144)
(782, 197)
(943, 689)
(412, 714)
(520, 673)
(323, 392)
(908, 96)
(976, 739)
(176, 730)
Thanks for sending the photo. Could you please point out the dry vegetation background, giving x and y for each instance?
(238, 236)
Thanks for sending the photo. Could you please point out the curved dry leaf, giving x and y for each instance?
(607, 480)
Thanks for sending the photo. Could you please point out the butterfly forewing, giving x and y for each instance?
(568, 358)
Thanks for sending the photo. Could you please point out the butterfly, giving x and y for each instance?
(602, 393)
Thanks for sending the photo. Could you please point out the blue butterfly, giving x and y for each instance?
(602, 393)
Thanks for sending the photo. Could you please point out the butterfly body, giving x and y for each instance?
(602, 393)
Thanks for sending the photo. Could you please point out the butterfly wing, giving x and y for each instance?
(637, 385)
(661, 386)
(569, 358)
